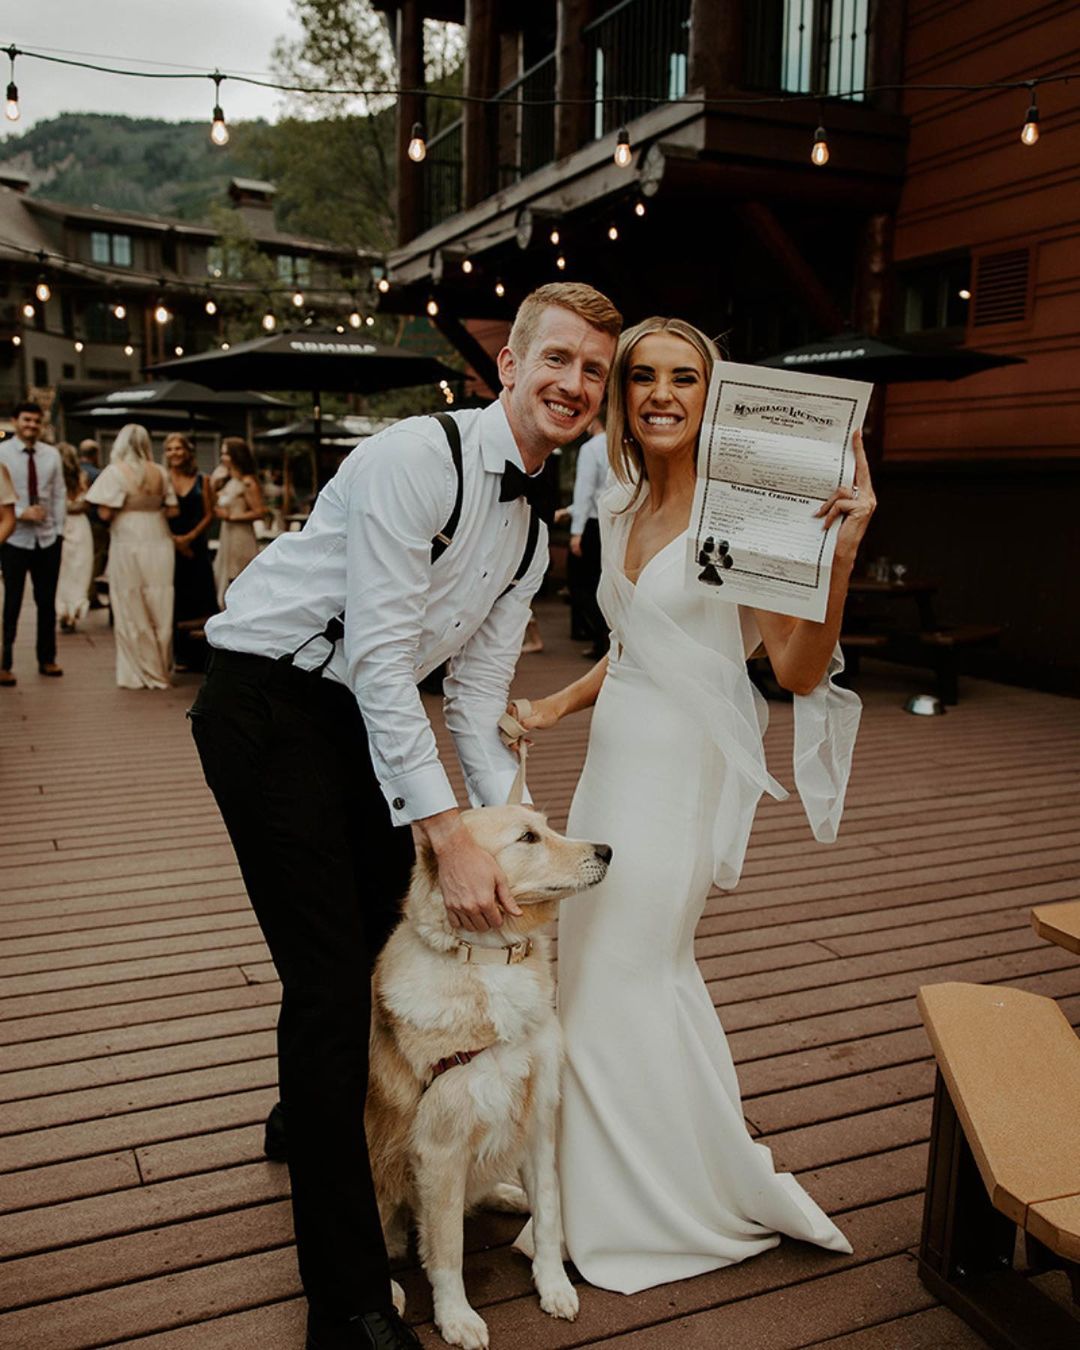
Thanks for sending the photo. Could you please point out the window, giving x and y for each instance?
(68, 371)
(41, 372)
(936, 295)
(294, 270)
(110, 248)
(102, 325)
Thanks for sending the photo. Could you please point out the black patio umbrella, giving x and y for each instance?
(331, 432)
(854, 356)
(153, 419)
(344, 362)
(179, 394)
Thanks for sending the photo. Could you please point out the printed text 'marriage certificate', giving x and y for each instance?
(774, 445)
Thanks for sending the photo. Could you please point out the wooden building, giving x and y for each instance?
(721, 216)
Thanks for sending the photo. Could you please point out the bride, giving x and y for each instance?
(659, 1178)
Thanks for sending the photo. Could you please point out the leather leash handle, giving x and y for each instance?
(513, 733)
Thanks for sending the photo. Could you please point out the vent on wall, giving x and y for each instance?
(1001, 287)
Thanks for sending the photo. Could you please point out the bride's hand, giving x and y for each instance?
(542, 713)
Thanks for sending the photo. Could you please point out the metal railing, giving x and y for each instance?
(523, 133)
(443, 175)
(638, 54)
(807, 46)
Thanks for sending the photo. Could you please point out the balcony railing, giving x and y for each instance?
(442, 179)
(523, 129)
(637, 54)
(807, 46)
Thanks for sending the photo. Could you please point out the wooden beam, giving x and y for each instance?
(463, 341)
(571, 77)
(481, 81)
(760, 221)
(410, 109)
(885, 56)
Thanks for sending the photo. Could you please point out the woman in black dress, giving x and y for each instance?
(196, 598)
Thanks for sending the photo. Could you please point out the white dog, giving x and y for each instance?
(465, 1060)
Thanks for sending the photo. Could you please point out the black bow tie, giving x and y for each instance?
(517, 484)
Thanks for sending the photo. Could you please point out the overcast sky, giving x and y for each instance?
(234, 35)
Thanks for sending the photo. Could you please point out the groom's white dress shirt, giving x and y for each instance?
(366, 549)
(51, 492)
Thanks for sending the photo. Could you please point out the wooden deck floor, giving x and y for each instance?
(137, 1008)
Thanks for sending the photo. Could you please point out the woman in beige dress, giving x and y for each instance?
(77, 555)
(135, 496)
(239, 505)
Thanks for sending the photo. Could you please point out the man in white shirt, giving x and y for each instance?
(590, 478)
(315, 742)
(34, 546)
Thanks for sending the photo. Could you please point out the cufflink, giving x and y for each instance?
(398, 803)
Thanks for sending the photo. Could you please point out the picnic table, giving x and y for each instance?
(1059, 923)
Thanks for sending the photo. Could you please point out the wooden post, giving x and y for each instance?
(571, 77)
(885, 57)
(463, 341)
(410, 109)
(481, 81)
(716, 55)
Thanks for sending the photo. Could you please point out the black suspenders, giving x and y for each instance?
(335, 627)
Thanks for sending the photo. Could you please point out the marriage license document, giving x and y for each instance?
(774, 445)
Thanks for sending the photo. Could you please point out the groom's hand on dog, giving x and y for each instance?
(474, 888)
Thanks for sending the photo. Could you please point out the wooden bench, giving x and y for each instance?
(1059, 923)
(1004, 1155)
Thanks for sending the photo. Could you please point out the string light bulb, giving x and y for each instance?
(432, 307)
(28, 310)
(382, 285)
(178, 350)
(16, 340)
(210, 306)
(298, 299)
(78, 344)
(43, 290)
(623, 154)
(1030, 133)
(219, 132)
(560, 263)
(355, 319)
(11, 104)
(639, 209)
(417, 151)
(224, 346)
(613, 232)
(500, 289)
(129, 350)
(119, 310)
(554, 236)
(467, 266)
(370, 320)
(819, 155)
(964, 293)
(269, 321)
(161, 312)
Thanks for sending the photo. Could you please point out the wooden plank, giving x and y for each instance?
(42, 1186)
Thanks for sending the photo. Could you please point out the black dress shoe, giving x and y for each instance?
(275, 1143)
(368, 1331)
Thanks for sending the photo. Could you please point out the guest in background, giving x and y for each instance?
(90, 464)
(134, 495)
(7, 505)
(589, 479)
(77, 556)
(239, 505)
(196, 596)
(35, 543)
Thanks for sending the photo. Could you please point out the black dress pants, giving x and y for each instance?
(285, 753)
(589, 582)
(43, 565)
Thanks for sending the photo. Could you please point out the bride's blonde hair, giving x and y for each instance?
(132, 446)
(624, 453)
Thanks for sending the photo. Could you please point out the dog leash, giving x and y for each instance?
(512, 733)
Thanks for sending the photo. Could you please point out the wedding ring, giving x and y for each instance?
(855, 490)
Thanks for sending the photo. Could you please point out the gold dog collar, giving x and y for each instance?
(510, 955)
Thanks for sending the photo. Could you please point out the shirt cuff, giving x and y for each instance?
(424, 792)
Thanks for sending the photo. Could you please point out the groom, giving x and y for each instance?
(314, 741)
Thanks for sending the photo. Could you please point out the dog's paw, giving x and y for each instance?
(397, 1298)
(505, 1198)
(463, 1327)
(558, 1298)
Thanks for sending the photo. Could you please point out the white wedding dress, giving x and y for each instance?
(659, 1178)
